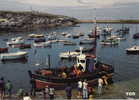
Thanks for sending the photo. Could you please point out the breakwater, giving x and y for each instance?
(28, 21)
(110, 21)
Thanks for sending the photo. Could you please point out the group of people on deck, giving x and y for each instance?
(73, 72)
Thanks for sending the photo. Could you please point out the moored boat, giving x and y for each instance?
(39, 40)
(14, 41)
(36, 35)
(87, 69)
(42, 44)
(136, 36)
(15, 55)
(3, 50)
(133, 50)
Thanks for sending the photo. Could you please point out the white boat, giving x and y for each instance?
(69, 54)
(133, 49)
(12, 56)
(18, 40)
(42, 44)
(36, 35)
(68, 35)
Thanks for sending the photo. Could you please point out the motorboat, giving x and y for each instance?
(42, 44)
(14, 41)
(133, 50)
(36, 35)
(12, 56)
(109, 42)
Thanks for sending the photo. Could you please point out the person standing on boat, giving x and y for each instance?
(8, 87)
(68, 90)
(100, 84)
(80, 84)
(85, 90)
(2, 88)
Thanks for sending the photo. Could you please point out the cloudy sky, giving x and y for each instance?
(68, 3)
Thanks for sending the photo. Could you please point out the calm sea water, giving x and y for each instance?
(126, 66)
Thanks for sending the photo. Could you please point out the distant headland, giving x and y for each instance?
(30, 21)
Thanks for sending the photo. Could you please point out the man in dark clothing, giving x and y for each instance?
(2, 88)
(68, 90)
(33, 87)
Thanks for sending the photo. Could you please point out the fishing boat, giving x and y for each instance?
(69, 55)
(87, 69)
(14, 41)
(3, 50)
(133, 50)
(12, 56)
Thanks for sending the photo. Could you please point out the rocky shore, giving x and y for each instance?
(29, 21)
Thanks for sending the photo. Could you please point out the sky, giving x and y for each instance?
(77, 8)
(69, 3)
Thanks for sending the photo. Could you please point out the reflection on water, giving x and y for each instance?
(126, 66)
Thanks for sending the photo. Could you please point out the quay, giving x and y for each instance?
(126, 21)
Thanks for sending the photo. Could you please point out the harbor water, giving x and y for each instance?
(126, 66)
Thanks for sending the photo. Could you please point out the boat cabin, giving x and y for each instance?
(85, 63)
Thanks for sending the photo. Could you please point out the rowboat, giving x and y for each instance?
(11, 56)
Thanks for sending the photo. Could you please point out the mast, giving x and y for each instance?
(49, 63)
(94, 33)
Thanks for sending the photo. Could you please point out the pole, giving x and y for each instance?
(49, 61)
